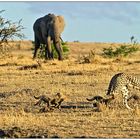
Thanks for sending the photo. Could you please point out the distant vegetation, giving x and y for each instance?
(124, 50)
(76, 41)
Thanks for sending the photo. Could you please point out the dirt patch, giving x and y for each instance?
(16, 132)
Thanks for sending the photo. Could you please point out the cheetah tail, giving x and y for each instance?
(90, 99)
(37, 97)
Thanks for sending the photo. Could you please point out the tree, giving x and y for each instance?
(9, 31)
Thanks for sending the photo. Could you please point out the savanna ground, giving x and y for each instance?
(76, 81)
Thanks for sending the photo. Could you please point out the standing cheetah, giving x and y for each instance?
(120, 83)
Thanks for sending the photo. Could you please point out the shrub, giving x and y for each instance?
(65, 49)
(123, 50)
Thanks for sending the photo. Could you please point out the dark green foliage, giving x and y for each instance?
(65, 48)
(123, 50)
(108, 52)
(41, 53)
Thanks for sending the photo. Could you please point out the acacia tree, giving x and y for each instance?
(9, 31)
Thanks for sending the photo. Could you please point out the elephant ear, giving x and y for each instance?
(61, 23)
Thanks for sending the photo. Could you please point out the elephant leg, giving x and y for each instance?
(48, 48)
(37, 45)
(58, 48)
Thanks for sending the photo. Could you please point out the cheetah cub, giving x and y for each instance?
(50, 102)
(121, 83)
(102, 100)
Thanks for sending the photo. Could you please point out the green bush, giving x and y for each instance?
(65, 49)
(123, 50)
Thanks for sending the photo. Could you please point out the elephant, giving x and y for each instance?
(48, 29)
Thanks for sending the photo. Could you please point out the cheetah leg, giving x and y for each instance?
(125, 97)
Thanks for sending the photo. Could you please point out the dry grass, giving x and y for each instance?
(76, 82)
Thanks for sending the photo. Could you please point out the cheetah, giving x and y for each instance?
(43, 99)
(100, 99)
(51, 102)
(99, 102)
(121, 83)
(57, 100)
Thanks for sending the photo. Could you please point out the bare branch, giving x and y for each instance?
(10, 30)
